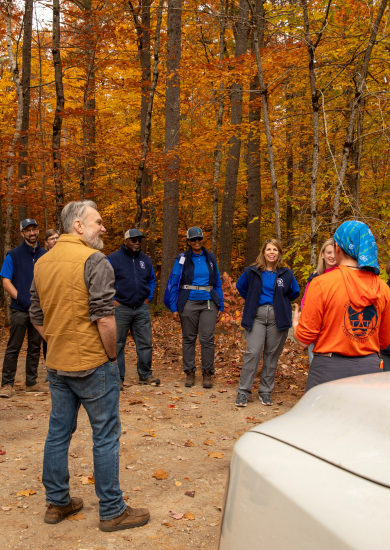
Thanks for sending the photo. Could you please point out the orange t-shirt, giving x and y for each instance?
(346, 311)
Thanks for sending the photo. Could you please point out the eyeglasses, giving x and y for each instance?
(52, 239)
(196, 239)
(135, 239)
(34, 230)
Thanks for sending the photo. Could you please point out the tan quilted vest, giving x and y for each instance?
(73, 342)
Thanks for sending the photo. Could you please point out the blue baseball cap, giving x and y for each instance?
(130, 233)
(194, 232)
(25, 223)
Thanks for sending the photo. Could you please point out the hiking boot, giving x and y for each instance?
(37, 388)
(6, 391)
(55, 514)
(241, 400)
(131, 517)
(149, 381)
(207, 382)
(265, 398)
(190, 380)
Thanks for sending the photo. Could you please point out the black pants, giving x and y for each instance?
(20, 323)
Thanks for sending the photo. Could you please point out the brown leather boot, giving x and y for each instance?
(55, 514)
(207, 382)
(131, 517)
(190, 380)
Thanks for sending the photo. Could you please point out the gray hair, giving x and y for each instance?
(73, 211)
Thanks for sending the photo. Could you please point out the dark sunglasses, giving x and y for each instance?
(135, 239)
(196, 239)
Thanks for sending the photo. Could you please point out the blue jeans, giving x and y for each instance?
(138, 321)
(99, 394)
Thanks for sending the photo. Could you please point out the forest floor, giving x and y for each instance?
(188, 434)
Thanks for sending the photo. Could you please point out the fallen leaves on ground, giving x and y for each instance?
(182, 458)
(188, 444)
(208, 442)
(2, 452)
(26, 493)
(160, 474)
(190, 494)
(92, 478)
(76, 517)
(178, 483)
(86, 479)
(6, 508)
(216, 454)
(29, 417)
(189, 515)
(175, 515)
(136, 402)
(136, 489)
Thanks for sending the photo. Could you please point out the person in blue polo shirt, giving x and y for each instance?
(18, 272)
(135, 282)
(268, 288)
(199, 304)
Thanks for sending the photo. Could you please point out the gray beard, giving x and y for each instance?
(95, 242)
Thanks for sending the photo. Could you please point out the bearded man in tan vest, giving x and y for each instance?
(72, 308)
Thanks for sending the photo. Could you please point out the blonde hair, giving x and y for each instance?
(321, 262)
(260, 262)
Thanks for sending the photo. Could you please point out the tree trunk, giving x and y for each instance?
(26, 79)
(89, 126)
(290, 171)
(354, 110)
(218, 150)
(172, 141)
(356, 157)
(229, 196)
(57, 124)
(267, 126)
(45, 214)
(311, 48)
(254, 167)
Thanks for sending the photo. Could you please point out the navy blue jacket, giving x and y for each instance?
(23, 259)
(282, 296)
(135, 280)
(188, 276)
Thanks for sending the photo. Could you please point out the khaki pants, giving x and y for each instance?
(264, 334)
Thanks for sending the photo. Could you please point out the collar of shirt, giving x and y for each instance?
(197, 255)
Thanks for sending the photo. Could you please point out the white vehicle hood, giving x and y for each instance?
(346, 423)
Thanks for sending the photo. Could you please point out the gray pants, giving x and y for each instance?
(263, 334)
(196, 316)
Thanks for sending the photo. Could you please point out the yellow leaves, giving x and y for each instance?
(178, 483)
(189, 515)
(208, 442)
(85, 480)
(26, 493)
(160, 474)
(216, 454)
(188, 444)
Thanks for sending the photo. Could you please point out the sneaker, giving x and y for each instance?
(265, 398)
(6, 391)
(190, 380)
(149, 381)
(37, 388)
(55, 514)
(241, 400)
(207, 382)
(131, 517)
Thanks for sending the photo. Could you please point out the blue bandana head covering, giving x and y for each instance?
(357, 240)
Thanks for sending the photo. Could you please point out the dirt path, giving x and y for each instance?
(169, 428)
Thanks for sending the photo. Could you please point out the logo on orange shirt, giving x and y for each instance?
(359, 325)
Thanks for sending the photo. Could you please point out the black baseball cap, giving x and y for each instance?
(25, 223)
(194, 232)
(130, 233)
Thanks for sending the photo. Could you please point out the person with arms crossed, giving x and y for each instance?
(17, 272)
(135, 282)
(72, 308)
(349, 314)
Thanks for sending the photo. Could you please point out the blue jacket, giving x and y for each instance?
(135, 280)
(23, 260)
(249, 286)
(188, 277)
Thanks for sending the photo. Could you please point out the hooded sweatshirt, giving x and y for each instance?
(349, 313)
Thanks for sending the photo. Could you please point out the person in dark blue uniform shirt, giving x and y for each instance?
(135, 282)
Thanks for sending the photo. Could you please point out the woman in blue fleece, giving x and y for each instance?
(268, 288)
(198, 304)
